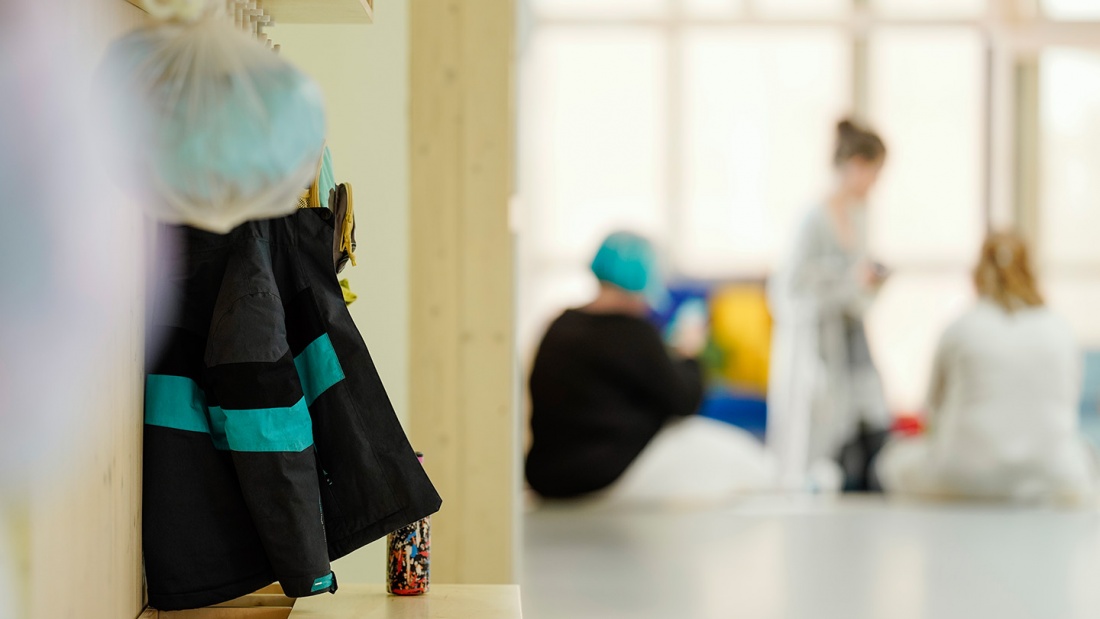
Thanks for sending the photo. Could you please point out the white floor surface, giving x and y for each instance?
(790, 558)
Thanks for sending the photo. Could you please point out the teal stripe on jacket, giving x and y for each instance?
(177, 402)
(318, 368)
(322, 583)
(266, 429)
(217, 428)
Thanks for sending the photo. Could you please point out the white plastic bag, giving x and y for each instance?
(217, 127)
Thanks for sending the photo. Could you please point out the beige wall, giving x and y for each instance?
(363, 71)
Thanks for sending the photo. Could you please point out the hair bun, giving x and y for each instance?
(856, 140)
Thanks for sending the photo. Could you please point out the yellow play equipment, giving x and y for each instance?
(741, 327)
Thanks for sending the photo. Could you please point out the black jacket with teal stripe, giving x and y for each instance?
(271, 447)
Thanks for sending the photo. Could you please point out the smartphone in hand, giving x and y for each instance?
(688, 331)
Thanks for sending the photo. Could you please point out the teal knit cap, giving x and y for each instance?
(628, 261)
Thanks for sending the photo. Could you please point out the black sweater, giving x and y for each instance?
(601, 387)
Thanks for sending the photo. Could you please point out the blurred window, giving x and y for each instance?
(1069, 230)
(1072, 10)
(714, 8)
(931, 9)
(582, 9)
(803, 8)
(926, 97)
(1069, 200)
(595, 112)
(756, 120)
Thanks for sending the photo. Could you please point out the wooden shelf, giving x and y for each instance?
(314, 11)
(268, 603)
(442, 602)
(367, 602)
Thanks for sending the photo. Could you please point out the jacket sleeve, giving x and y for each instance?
(675, 384)
(259, 416)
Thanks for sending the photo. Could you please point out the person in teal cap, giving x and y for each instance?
(628, 262)
(604, 385)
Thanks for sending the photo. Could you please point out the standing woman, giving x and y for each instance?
(826, 411)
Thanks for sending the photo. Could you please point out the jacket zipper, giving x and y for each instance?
(328, 488)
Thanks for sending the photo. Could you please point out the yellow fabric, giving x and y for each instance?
(349, 296)
(349, 225)
(742, 327)
(310, 197)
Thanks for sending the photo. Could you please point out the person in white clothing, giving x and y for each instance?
(825, 399)
(1003, 404)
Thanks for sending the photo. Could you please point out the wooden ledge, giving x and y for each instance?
(442, 602)
(366, 602)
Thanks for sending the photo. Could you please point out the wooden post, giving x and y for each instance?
(462, 374)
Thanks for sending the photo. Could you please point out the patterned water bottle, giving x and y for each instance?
(408, 559)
